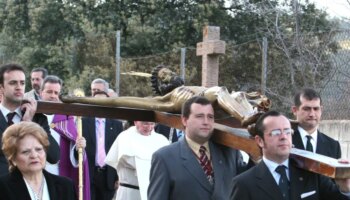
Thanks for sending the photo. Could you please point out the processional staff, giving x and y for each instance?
(80, 93)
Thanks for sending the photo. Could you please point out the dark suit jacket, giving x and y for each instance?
(165, 130)
(325, 145)
(259, 184)
(177, 174)
(112, 130)
(53, 153)
(13, 187)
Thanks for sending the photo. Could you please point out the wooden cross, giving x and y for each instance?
(210, 49)
(228, 136)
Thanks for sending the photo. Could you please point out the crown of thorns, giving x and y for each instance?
(154, 79)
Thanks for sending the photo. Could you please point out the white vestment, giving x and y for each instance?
(131, 155)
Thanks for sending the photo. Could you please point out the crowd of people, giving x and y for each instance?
(39, 152)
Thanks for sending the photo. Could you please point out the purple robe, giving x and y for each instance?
(65, 126)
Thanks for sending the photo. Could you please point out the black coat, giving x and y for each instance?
(165, 130)
(259, 184)
(13, 187)
(325, 145)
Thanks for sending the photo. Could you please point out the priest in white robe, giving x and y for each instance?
(131, 155)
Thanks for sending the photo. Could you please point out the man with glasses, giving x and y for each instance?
(276, 177)
(99, 85)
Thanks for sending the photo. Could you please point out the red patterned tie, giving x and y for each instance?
(206, 164)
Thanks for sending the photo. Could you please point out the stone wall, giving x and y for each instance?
(338, 130)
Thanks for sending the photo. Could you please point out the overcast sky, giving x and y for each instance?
(337, 8)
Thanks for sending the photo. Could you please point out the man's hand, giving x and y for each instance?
(29, 107)
(80, 142)
(343, 184)
(116, 185)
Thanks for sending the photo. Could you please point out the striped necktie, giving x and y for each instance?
(206, 164)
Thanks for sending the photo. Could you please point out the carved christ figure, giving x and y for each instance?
(245, 107)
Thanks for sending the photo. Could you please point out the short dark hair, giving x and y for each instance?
(40, 69)
(101, 92)
(307, 93)
(186, 107)
(51, 79)
(259, 125)
(8, 68)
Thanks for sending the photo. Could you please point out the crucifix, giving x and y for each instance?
(232, 135)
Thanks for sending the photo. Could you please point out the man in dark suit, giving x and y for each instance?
(276, 177)
(102, 177)
(194, 167)
(12, 85)
(308, 110)
(172, 134)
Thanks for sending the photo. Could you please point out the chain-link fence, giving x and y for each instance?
(335, 90)
(240, 69)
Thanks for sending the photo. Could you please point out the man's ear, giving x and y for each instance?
(184, 121)
(259, 141)
(294, 110)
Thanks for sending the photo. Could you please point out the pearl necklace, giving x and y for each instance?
(37, 196)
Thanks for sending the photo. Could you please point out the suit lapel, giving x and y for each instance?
(192, 165)
(320, 144)
(3, 123)
(108, 129)
(297, 141)
(16, 181)
(91, 131)
(297, 182)
(217, 163)
(266, 182)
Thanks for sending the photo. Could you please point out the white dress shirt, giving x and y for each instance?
(313, 135)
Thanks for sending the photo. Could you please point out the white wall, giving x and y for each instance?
(338, 130)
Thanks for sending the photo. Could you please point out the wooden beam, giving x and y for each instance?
(235, 138)
(76, 109)
(320, 164)
(232, 137)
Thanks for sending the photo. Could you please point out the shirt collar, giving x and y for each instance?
(6, 111)
(102, 119)
(271, 165)
(195, 146)
(304, 133)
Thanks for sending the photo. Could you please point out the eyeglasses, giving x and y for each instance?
(278, 132)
